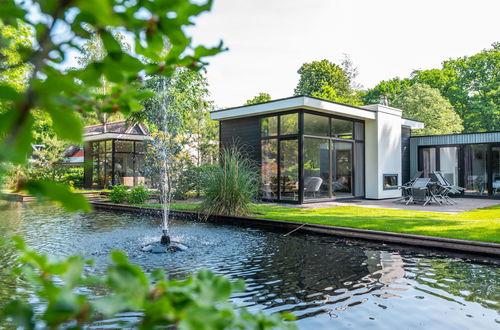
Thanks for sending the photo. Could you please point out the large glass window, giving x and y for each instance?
(359, 131)
(495, 171)
(341, 129)
(269, 169)
(359, 170)
(124, 169)
(316, 125)
(269, 126)
(342, 168)
(289, 124)
(475, 171)
(139, 172)
(289, 167)
(428, 161)
(124, 146)
(316, 168)
(448, 163)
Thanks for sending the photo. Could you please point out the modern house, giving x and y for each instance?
(114, 154)
(311, 149)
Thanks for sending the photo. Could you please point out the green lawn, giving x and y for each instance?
(479, 225)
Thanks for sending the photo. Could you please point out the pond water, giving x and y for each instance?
(326, 282)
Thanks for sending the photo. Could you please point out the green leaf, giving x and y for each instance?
(67, 124)
(57, 192)
(9, 93)
(20, 313)
(16, 142)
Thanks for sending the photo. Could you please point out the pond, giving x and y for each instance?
(325, 281)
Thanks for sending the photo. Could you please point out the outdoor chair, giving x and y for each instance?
(443, 188)
(456, 189)
(312, 185)
(419, 192)
(406, 187)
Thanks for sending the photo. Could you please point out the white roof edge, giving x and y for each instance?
(384, 108)
(298, 102)
(412, 124)
(121, 136)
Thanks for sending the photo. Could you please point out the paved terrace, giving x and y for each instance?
(463, 204)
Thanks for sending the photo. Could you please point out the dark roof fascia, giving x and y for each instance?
(420, 136)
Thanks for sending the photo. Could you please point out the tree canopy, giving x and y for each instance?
(390, 88)
(470, 83)
(261, 98)
(423, 103)
(327, 80)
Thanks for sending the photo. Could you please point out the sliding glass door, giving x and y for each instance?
(495, 171)
(342, 169)
(475, 169)
(289, 170)
(317, 172)
(448, 163)
(328, 167)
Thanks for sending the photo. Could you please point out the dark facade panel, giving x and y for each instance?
(243, 132)
(405, 154)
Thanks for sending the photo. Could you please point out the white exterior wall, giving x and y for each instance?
(382, 151)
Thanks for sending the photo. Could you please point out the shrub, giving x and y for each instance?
(232, 186)
(118, 194)
(75, 175)
(190, 181)
(200, 301)
(138, 195)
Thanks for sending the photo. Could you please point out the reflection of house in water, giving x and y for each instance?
(308, 271)
(386, 268)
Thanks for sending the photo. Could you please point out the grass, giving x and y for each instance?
(478, 225)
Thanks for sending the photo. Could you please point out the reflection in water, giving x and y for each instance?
(324, 281)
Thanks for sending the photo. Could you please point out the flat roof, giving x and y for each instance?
(291, 103)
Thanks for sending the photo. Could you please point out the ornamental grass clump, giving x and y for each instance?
(231, 187)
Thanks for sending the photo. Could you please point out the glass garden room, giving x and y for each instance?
(310, 156)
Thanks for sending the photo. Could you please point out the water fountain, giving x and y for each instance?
(166, 122)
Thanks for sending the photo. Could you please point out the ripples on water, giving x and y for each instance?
(325, 282)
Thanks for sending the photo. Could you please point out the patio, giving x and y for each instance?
(463, 205)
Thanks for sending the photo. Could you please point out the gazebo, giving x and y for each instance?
(114, 154)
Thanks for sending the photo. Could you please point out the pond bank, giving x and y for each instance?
(468, 246)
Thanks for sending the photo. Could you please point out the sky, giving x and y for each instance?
(268, 40)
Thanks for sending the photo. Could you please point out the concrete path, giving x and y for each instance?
(463, 204)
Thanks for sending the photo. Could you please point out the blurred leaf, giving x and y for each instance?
(57, 192)
(20, 313)
(67, 124)
(9, 93)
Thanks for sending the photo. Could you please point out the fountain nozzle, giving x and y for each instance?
(165, 238)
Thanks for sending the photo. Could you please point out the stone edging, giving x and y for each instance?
(483, 248)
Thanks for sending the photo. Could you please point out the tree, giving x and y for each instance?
(423, 103)
(65, 94)
(325, 79)
(352, 72)
(15, 42)
(94, 50)
(472, 85)
(261, 98)
(390, 88)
